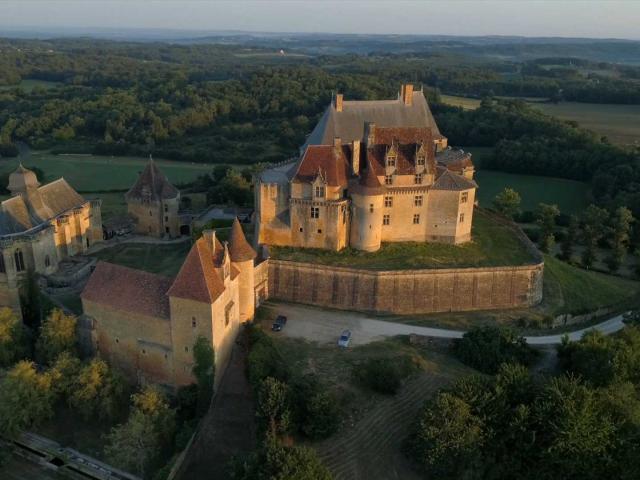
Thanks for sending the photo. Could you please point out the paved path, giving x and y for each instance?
(325, 326)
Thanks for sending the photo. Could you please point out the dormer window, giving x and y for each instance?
(420, 161)
(225, 270)
(319, 192)
(391, 160)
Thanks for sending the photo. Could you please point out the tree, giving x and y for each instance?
(147, 434)
(594, 219)
(546, 220)
(275, 461)
(619, 235)
(487, 347)
(315, 408)
(26, 398)
(448, 439)
(64, 374)
(570, 239)
(507, 202)
(273, 407)
(204, 369)
(98, 391)
(13, 338)
(57, 335)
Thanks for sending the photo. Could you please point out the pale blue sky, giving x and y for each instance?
(565, 18)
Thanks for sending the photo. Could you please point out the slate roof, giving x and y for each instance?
(152, 185)
(349, 124)
(447, 180)
(32, 209)
(327, 160)
(454, 158)
(128, 290)
(239, 248)
(198, 279)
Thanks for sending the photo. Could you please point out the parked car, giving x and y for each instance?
(279, 324)
(345, 339)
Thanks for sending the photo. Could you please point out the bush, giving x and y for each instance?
(264, 359)
(385, 375)
(316, 409)
(486, 348)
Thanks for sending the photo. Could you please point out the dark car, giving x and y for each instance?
(279, 324)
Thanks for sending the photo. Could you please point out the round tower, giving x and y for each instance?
(367, 198)
(243, 256)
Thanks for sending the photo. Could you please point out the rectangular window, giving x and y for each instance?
(193, 322)
(166, 219)
(464, 196)
(227, 313)
(320, 192)
(416, 219)
(388, 179)
(417, 201)
(388, 202)
(166, 208)
(391, 161)
(19, 260)
(462, 218)
(371, 208)
(3, 269)
(386, 219)
(417, 179)
(315, 212)
(420, 161)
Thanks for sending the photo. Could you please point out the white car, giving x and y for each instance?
(345, 339)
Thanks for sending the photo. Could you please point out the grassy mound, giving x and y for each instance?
(493, 244)
(574, 290)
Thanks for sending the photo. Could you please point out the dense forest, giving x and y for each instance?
(241, 105)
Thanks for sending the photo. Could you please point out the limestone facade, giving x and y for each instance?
(370, 172)
(40, 225)
(148, 324)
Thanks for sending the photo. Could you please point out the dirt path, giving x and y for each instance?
(372, 447)
(228, 428)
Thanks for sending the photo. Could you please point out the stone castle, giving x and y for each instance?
(147, 324)
(370, 172)
(41, 225)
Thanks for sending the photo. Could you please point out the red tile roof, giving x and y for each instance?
(327, 160)
(198, 279)
(128, 289)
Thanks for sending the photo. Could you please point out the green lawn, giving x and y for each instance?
(161, 259)
(569, 289)
(570, 196)
(99, 173)
(493, 245)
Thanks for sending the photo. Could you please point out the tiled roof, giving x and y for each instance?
(368, 183)
(406, 142)
(454, 158)
(239, 248)
(327, 160)
(152, 185)
(198, 279)
(128, 290)
(37, 205)
(447, 180)
(349, 124)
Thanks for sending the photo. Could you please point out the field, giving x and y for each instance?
(570, 196)
(29, 84)
(161, 259)
(494, 244)
(95, 173)
(620, 123)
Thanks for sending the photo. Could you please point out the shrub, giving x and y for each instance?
(385, 375)
(487, 347)
(264, 359)
(316, 410)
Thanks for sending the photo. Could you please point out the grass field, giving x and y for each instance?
(90, 173)
(493, 245)
(569, 195)
(620, 123)
(161, 259)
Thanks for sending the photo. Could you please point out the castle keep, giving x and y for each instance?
(41, 225)
(370, 172)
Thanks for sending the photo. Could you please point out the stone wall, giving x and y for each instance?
(406, 291)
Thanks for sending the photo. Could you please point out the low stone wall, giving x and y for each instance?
(406, 291)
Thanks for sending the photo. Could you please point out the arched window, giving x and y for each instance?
(47, 261)
(19, 260)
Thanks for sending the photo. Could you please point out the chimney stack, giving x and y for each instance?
(406, 92)
(355, 158)
(338, 102)
(210, 237)
(369, 131)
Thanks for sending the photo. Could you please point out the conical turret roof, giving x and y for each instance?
(239, 248)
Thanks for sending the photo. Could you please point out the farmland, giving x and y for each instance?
(619, 123)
